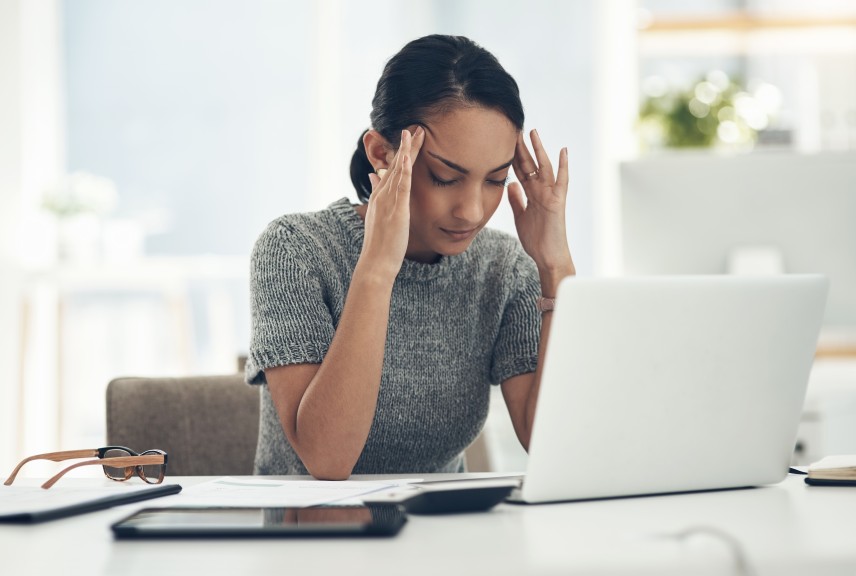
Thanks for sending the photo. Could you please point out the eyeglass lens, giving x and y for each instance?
(118, 473)
(152, 473)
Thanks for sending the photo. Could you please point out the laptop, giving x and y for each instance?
(667, 384)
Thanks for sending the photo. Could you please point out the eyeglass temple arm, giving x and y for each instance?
(113, 463)
(53, 456)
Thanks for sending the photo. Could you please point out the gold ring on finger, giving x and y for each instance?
(533, 174)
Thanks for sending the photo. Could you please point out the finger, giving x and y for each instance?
(404, 166)
(544, 164)
(406, 175)
(562, 176)
(402, 186)
(374, 180)
(515, 199)
(393, 173)
(416, 142)
(407, 140)
(404, 147)
(522, 162)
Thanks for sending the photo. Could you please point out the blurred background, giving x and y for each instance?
(145, 145)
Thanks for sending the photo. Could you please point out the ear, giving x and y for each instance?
(378, 150)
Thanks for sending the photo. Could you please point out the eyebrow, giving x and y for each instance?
(463, 170)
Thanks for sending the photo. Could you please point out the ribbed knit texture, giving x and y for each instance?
(455, 327)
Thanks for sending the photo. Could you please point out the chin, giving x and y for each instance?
(456, 249)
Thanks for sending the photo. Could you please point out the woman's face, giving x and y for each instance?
(458, 180)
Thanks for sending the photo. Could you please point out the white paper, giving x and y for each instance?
(832, 462)
(258, 492)
(30, 499)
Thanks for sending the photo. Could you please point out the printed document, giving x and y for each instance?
(258, 492)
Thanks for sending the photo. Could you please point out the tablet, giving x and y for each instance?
(367, 520)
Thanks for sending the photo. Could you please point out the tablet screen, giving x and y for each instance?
(326, 520)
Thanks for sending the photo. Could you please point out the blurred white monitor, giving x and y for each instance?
(759, 213)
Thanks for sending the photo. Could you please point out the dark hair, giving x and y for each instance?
(428, 75)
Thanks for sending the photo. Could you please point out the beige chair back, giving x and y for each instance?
(208, 425)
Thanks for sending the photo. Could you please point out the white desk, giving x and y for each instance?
(787, 529)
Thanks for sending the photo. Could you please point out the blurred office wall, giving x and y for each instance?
(211, 118)
(225, 114)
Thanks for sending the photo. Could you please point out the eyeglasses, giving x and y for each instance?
(124, 462)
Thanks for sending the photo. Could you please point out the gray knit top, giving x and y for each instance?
(455, 327)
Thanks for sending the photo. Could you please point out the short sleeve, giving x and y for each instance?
(516, 348)
(291, 323)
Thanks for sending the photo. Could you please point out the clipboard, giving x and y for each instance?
(87, 502)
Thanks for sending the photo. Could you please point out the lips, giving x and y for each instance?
(460, 234)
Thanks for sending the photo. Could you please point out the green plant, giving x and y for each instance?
(715, 111)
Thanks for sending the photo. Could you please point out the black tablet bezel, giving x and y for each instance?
(387, 520)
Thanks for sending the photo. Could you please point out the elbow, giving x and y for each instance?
(320, 460)
(524, 434)
(323, 465)
(333, 476)
(329, 471)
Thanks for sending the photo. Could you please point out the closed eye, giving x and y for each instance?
(440, 182)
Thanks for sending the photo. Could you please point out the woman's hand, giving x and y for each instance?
(540, 222)
(388, 214)
(540, 219)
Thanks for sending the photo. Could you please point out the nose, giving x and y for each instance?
(469, 207)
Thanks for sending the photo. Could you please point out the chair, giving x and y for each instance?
(207, 424)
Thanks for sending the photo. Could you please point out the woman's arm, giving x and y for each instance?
(540, 222)
(326, 409)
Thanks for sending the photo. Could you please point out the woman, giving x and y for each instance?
(377, 328)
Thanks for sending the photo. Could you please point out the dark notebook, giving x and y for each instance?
(833, 471)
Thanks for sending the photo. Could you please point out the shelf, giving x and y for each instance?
(744, 22)
(743, 33)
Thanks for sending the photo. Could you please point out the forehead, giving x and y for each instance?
(475, 138)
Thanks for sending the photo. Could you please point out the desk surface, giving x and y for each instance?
(789, 528)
